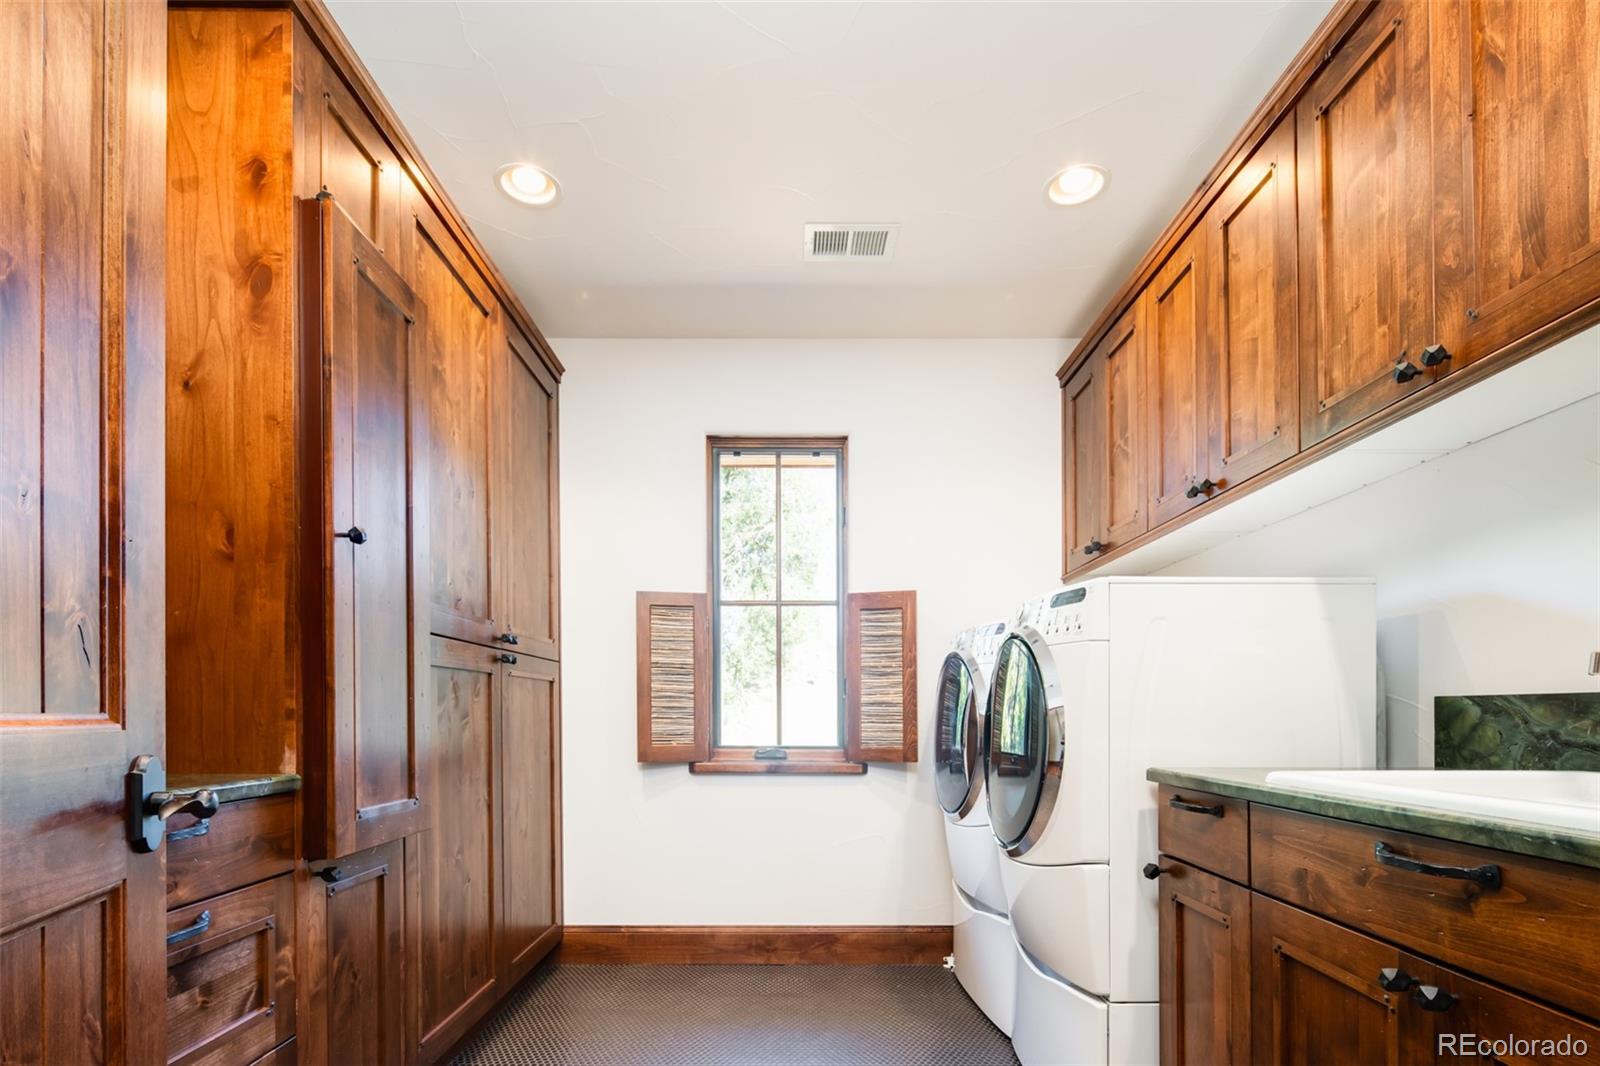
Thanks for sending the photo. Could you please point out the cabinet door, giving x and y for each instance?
(1315, 992)
(1251, 371)
(1174, 428)
(355, 966)
(456, 886)
(455, 337)
(1461, 1009)
(1122, 370)
(1365, 204)
(1082, 463)
(529, 766)
(1205, 968)
(1517, 168)
(525, 512)
(365, 742)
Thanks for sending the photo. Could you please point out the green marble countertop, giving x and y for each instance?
(1521, 838)
(231, 788)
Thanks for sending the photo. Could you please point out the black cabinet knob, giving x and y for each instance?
(1203, 487)
(507, 657)
(330, 874)
(1434, 354)
(1151, 871)
(355, 535)
(1394, 979)
(508, 637)
(1093, 546)
(1405, 369)
(1434, 998)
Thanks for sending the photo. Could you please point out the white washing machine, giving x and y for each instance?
(1092, 686)
(985, 959)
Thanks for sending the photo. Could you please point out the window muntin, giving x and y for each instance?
(777, 594)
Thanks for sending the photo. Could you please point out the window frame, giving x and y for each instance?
(801, 758)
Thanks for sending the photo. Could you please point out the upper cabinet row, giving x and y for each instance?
(1423, 191)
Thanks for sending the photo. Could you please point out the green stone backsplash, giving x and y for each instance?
(1558, 731)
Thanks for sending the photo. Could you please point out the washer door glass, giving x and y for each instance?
(957, 740)
(1017, 735)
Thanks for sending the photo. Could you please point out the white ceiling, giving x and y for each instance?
(693, 142)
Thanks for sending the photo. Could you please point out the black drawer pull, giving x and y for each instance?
(1178, 803)
(1487, 875)
(189, 932)
(198, 829)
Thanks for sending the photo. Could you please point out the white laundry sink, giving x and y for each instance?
(1565, 799)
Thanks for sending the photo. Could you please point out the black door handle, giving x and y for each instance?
(355, 535)
(189, 932)
(1178, 803)
(1487, 875)
(150, 804)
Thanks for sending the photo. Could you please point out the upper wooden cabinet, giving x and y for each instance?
(1516, 168)
(1419, 197)
(1251, 365)
(1365, 209)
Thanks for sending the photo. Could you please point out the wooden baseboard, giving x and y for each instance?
(770, 945)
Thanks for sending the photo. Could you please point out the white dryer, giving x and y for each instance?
(985, 956)
(1098, 682)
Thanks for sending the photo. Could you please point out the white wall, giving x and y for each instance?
(941, 433)
(1487, 561)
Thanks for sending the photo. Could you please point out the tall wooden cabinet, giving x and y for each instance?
(362, 455)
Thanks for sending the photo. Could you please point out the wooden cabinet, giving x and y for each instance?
(1516, 169)
(1205, 968)
(526, 512)
(355, 959)
(530, 792)
(1173, 428)
(1102, 450)
(1250, 370)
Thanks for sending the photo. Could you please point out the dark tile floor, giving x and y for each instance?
(745, 1015)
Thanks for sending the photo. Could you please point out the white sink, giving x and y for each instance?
(1566, 799)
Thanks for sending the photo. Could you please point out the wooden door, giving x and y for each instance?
(455, 333)
(529, 771)
(1366, 265)
(1082, 464)
(354, 969)
(525, 512)
(1517, 168)
(1205, 968)
(1251, 371)
(366, 745)
(1316, 991)
(456, 893)
(82, 528)
(1174, 424)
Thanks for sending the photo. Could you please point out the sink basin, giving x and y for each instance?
(1567, 799)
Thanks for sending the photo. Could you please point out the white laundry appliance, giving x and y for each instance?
(985, 955)
(1098, 682)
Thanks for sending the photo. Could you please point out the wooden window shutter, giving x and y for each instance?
(880, 707)
(674, 679)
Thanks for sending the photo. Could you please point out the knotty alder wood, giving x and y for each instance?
(244, 842)
(1083, 463)
(777, 945)
(82, 561)
(526, 510)
(1494, 1014)
(1205, 968)
(880, 670)
(1220, 844)
(528, 873)
(1172, 425)
(673, 676)
(1543, 911)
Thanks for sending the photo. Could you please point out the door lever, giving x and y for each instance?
(150, 804)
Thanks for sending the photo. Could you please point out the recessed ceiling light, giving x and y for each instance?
(529, 184)
(1075, 185)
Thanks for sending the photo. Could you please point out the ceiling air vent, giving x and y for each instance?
(846, 240)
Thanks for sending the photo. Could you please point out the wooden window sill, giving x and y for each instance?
(800, 761)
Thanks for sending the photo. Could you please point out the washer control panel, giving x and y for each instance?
(1058, 616)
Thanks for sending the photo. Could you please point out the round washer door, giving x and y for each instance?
(1019, 748)
(956, 769)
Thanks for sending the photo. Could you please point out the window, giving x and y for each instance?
(777, 592)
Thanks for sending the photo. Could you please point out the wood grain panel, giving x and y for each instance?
(1363, 145)
(880, 666)
(456, 890)
(1083, 464)
(1174, 430)
(1217, 842)
(1517, 169)
(61, 986)
(776, 945)
(355, 962)
(1123, 372)
(455, 336)
(1528, 1032)
(1542, 910)
(1250, 373)
(243, 842)
(526, 513)
(527, 754)
(1205, 969)
(233, 627)
(672, 635)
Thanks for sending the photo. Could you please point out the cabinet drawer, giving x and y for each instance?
(1477, 1011)
(242, 843)
(1537, 930)
(1211, 832)
(230, 975)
